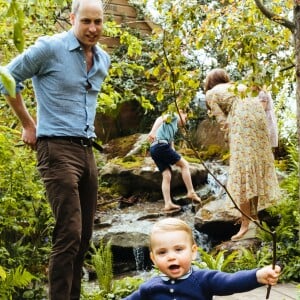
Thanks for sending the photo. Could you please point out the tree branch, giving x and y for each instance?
(275, 18)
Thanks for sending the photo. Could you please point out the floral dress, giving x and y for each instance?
(271, 117)
(251, 166)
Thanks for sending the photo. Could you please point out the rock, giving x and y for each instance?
(129, 218)
(208, 133)
(144, 177)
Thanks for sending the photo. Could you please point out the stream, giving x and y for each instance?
(133, 223)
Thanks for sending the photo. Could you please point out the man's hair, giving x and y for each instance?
(76, 5)
(214, 77)
(171, 224)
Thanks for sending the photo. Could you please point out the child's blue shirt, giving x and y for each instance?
(199, 285)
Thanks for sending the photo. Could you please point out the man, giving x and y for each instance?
(67, 71)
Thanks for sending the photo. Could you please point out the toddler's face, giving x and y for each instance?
(173, 252)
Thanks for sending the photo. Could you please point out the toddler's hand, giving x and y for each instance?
(268, 275)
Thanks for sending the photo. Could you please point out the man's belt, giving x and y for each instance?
(82, 141)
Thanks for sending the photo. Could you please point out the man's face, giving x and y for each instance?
(87, 22)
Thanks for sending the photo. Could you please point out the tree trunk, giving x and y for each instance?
(297, 63)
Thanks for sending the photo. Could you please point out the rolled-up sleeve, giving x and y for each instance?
(26, 65)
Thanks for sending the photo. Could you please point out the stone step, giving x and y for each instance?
(282, 291)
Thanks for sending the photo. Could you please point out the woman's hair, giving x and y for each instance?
(215, 77)
(171, 224)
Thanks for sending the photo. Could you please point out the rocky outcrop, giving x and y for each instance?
(132, 171)
(208, 133)
(139, 186)
(128, 223)
(146, 179)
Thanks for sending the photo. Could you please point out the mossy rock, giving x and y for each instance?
(119, 147)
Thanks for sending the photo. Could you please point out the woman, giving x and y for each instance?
(252, 181)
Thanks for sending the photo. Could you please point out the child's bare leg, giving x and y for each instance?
(166, 190)
(187, 179)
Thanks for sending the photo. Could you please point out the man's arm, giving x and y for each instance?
(28, 123)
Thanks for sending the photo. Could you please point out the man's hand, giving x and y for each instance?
(29, 137)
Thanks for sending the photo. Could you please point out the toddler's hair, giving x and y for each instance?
(171, 224)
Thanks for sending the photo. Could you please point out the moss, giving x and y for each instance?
(119, 147)
(193, 159)
(281, 164)
(214, 152)
(129, 162)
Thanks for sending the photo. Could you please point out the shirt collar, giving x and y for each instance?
(164, 277)
(74, 44)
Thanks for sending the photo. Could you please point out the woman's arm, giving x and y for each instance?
(217, 112)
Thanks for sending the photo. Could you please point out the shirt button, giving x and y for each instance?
(172, 291)
(172, 281)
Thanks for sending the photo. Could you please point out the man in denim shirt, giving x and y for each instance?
(67, 71)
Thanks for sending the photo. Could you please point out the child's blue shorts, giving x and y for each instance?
(164, 156)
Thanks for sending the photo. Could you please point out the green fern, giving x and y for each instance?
(103, 263)
(125, 286)
(219, 262)
(10, 281)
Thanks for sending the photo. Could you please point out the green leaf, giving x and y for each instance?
(8, 81)
(2, 273)
(18, 36)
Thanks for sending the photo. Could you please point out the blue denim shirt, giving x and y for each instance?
(66, 93)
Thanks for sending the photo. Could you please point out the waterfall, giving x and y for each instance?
(221, 173)
(139, 257)
(202, 240)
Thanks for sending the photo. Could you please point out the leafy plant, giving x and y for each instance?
(287, 217)
(125, 286)
(219, 262)
(287, 214)
(122, 288)
(26, 221)
(248, 259)
(13, 279)
(8, 81)
(103, 263)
